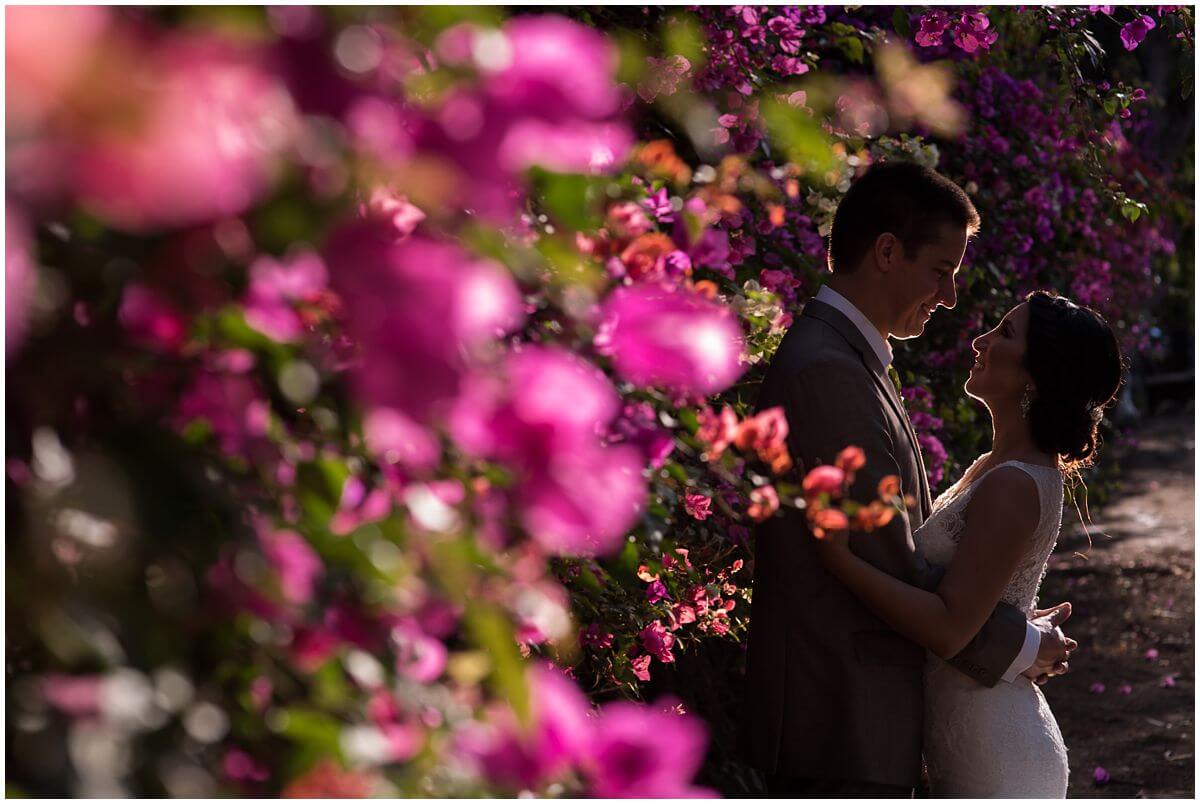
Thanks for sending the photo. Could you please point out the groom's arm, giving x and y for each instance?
(839, 408)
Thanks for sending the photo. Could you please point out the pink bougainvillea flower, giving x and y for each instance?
(657, 591)
(637, 425)
(358, 506)
(626, 219)
(419, 656)
(595, 637)
(1134, 32)
(851, 459)
(640, 666)
(932, 28)
(1101, 775)
(543, 416)
(1168, 681)
(238, 766)
(663, 77)
(210, 127)
(1096, 688)
(672, 339)
(824, 479)
(275, 288)
(579, 148)
(645, 752)
(77, 696)
(764, 502)
(417, 310)
(296, 564)
(396, 210)
(1124, 689)
(765, 431)
(234, 407)
(717, 429)
(20, 273)
(150, 320)
(657, 641)
(698, 506)
(645, 259)
(560, 735)
(1152, 654)
(397, 439)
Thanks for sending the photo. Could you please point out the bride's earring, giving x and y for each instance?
(1026, 401)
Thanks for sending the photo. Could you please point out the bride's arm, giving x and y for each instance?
(1001, 518)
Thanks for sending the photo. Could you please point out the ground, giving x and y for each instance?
(1133, 615)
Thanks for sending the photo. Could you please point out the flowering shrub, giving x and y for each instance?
(382, 383)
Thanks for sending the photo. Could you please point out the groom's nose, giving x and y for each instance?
(948, 293)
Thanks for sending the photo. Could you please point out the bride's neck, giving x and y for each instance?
(1011, 436)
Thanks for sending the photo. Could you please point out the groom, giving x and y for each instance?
(834, 697)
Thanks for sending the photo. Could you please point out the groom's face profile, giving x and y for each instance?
(917, 283)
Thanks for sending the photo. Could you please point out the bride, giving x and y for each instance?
(1045, 373)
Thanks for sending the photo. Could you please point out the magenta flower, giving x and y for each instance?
(1152, 654)
(275, 288)
(640, 665)
(402, 216)
(543, 416)
(150, 320)
(627, 219)
(698, 505)
(1096, 688)
(657, 641)
(397, 439)
(672, 339)
(1134, 32)
(645, 752)
(358, 506)
(296, 564)
(238, 766)
(656, 591)
(234, 407)
(595, 637)
(1168, 681)
(1124, 689)
(419, 656)
(20, 273)
(932, 28)
(205, 140)
(826, 479)
(1101, 776)
(561, 734)
(418, 310)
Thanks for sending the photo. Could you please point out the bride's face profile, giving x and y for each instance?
(999, 375)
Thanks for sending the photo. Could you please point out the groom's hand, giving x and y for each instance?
(1055, 648)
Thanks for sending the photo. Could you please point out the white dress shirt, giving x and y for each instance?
(883, 350)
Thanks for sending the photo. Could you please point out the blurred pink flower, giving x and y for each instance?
(1168, 681)
(670, 338)
(275, 288)
(47, 50)
(764, 502)
(417, 310)
(296, 564)
(395, 210)
(397, 439)
(1152, 654)
(1124, 689)
(543, 417)
(560, 735)
(698, 505)
(645, 752)
(824, 479)
(20, 273)
(357, 506)
(209, 125)
(1101, 775)
(663, 76)
(627, 219)
(1096, 688)
(239, 766)
(77, 696)
(150, 320)
(419, 656)
(232, 404)
(717, 430)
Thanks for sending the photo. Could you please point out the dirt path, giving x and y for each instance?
(1133, 616)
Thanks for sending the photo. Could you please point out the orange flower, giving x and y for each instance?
(327, 780)
(777, 458)
(644, 256)
(889, 487)
(659, 158)
(851, 459)
(873, 516)
(706, 288)
(826, 519)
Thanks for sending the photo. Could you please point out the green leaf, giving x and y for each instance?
(491, 631)
(900, 23)
(569, 197)
(799, 136)
(1110, 106)
(316, 730)
(682, 36)
(852, 46)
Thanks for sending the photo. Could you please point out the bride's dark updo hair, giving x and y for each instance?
(1075, 361)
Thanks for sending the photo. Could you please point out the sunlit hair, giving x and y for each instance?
(906, 199)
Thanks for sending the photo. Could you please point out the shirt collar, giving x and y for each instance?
(880, 345)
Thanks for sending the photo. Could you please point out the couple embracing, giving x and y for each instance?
(921, 640)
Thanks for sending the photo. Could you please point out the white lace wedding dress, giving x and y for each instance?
(1001, 741)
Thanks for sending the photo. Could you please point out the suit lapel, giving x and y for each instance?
(845, 327)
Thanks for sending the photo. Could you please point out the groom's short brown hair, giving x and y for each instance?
(904, 198)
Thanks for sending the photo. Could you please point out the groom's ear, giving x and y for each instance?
(888, 250)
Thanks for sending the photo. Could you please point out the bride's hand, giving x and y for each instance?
(831, 530)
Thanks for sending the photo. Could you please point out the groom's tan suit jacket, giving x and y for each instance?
(832, 692)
